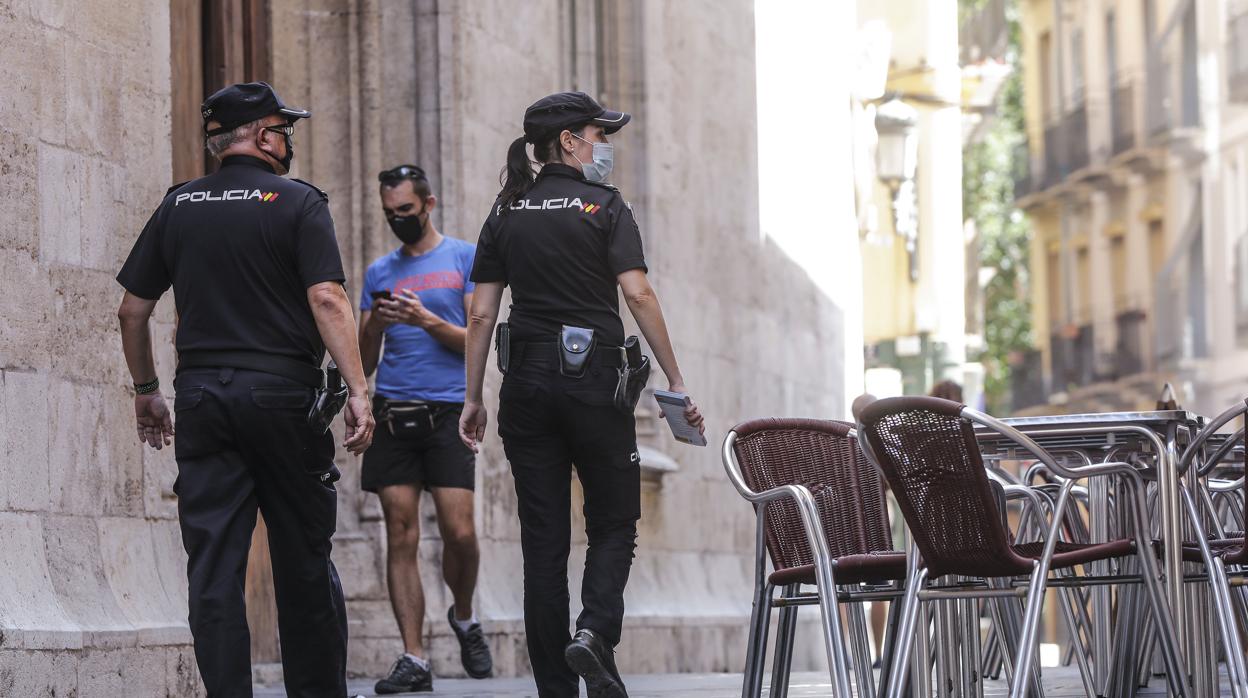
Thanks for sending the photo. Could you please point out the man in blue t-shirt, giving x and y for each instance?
(415, 300)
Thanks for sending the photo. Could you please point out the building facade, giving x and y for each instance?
(1135, 120)
(915, 246)
(101, 116)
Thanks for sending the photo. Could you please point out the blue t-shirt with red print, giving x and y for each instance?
(414, 365)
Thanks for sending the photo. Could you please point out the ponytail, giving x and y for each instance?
(517, 175)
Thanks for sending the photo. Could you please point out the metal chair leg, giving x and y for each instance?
(1176, 670)
(756, 647)
(892, 626)
(921, 665)
(861, 646)
(896, 684)
(786, 630)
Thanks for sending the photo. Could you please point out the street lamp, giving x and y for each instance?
(896, 160)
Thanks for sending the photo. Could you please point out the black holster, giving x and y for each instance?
(634, 374)
(330, 399)
(502, 346)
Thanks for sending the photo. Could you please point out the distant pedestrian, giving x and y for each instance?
(413, 307)
(947, 390)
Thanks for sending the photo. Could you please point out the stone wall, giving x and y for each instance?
(92, 587)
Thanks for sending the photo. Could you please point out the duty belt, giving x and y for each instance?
(283, 366)
(605, 355)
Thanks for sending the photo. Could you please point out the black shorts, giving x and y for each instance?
(437, 460)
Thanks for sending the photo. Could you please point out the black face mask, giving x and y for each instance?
(290, 154)
(409, 229)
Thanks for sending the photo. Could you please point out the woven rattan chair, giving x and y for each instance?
(1218, 550)
(927, 451)
(822, 520)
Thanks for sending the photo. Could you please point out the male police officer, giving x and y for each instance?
(257, 280)
(416, 298)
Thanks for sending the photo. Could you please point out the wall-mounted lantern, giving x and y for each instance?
(896, 161)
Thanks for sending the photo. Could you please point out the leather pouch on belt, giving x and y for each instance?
(576, 345)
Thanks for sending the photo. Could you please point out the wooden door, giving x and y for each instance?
(214, 43)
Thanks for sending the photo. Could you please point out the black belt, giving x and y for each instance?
(605, 355)
(283, 366)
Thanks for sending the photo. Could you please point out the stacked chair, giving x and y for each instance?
(822, 521)
(1218, 547)
(817, 490)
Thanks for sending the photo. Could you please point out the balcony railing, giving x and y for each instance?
(1021, 170)
(1053, 158)
(1129, 352)
(1237, 59)
(1065, 147)
(1076, 128)
(1122, 117)
(1073, 356)
(1160, 87)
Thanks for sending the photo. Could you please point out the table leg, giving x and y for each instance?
(1172, 535)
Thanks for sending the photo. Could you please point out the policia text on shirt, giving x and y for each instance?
(257, 281)
(563, 241)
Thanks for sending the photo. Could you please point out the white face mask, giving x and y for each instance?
(600, 168)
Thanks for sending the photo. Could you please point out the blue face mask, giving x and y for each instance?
(600, 168)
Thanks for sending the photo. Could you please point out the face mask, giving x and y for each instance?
(409, 229)
(600, 168)
(290, 154)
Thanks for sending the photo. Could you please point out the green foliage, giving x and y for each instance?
(968, 8)
(989, 166)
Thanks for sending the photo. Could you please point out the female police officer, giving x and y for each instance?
(562, 242)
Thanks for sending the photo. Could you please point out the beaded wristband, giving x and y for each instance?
(147, 388)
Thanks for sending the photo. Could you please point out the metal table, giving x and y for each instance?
(1157, 432)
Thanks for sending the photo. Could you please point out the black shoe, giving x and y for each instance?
(474, 653)
(590, 657)
(405, 677)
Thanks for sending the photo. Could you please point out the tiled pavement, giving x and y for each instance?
(1059, 683)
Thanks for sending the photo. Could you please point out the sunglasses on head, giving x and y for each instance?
(401, 172)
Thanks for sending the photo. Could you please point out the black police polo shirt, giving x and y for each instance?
(560, 247)
(240, 247)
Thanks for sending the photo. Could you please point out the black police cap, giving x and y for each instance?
(244, 103)
(553, 113)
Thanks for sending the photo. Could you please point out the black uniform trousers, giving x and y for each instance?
(549, 423)
(242, 444)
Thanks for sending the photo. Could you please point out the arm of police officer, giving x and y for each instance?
(336, 324)
(405, 308)
(371, 329)
(151, 413)
(643, 302)
(482, 315)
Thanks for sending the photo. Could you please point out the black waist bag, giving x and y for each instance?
(410, 420)
(634, 374)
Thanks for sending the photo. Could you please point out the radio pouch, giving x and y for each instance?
(576, 346)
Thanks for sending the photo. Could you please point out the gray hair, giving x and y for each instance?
(222, 141)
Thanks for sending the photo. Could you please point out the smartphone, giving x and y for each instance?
(382, 295)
